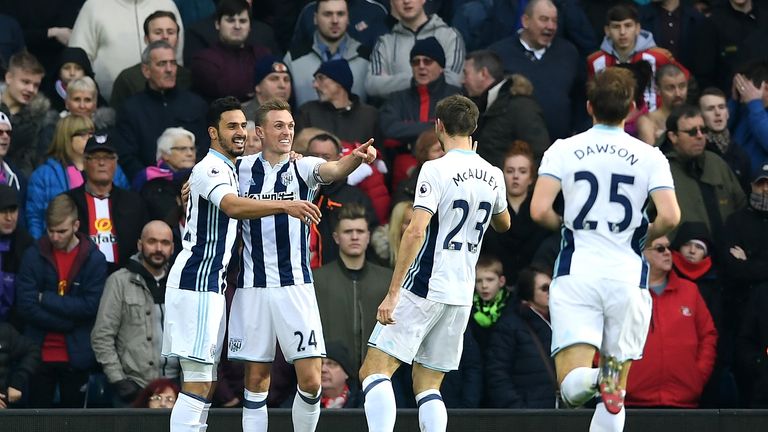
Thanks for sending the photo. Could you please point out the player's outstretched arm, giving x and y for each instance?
(337, 170)
(501, 221)
(544, 194)
(413, 238)
(667, 213)
(245, 208)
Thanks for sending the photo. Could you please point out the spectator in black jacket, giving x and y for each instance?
(143, 117)
(14, 240)
(19, 358)
(519, 372)
(112, 217)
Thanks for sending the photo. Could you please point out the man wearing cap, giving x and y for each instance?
(223, 68)
(340, 388)
(271, 80)
(390, 71)
(409, 112)
(14, 240)
(58, 289)
(337, 109)
(331, 41)
(144, 116)
(110, 216)
(746, 267)
(159, 25)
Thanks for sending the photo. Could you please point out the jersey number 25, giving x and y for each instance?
(615, 197)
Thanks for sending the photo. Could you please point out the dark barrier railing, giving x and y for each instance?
(353, 420)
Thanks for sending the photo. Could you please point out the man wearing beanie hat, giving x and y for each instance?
(390, 70)
(337, 109)
(330, 42)
(14, 240)
(339, 379)
(409, 112)
(271, 80)
(160, 25)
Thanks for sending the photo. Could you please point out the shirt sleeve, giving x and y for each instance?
(551, 162)
(213, 183)
(661, 176)
(309, 170)
(501, 193)
(427, 189)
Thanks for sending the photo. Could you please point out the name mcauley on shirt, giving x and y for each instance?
(477, 174)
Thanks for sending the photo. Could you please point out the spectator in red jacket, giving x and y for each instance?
(680, 349)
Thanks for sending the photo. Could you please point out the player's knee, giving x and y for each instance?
(310, 385)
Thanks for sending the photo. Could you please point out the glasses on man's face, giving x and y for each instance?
(85, 133)
(5, 132)
(659, 248)
(161, 398)
(695, 131)
(426, 61)
(182, 149)
(101, 158)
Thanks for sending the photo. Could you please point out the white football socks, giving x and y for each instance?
(255, 417)
(306, 410)
(380, 407)
(432, 414)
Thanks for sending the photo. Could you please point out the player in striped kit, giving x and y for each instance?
(423, 316)
(194, 299)
(275, 298)
(598, 298)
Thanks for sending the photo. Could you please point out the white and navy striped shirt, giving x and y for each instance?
(463, 192)
(209, 235)
(276, 248)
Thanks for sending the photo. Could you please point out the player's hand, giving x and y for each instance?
(185, 190)
(366, 152)
(304, 211)
(387, 308)
(14, 395)
(738, 253)
(294, 156)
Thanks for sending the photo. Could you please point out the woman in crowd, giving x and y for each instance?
(385, 239)
(62, 171)
(160, 393)
(517, 246)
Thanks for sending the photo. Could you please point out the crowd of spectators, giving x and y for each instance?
(101, 121)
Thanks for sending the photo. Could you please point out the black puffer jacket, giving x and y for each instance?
(515, 373)
(19, 358)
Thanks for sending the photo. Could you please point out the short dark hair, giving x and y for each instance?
(231, 7)
(219, 106)
(458, 114)
(621, 12)
(323, 1)
(528, 11)
(669, 69)
(325, 137)
(488, 59)
(351, 211)
(713, 91)
(685, 111)
(25, 61)
(526, 281)
(611, 93)
(159, 14)
(270, 105)
(756, 71)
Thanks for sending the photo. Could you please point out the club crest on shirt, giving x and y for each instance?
(213, 172)
(425, 189)
(235, 344)
(686, 311)
(362, 25)
(286, 178)
(103, 225)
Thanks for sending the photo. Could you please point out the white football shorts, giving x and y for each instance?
(425, 331)
(610, 315)
(195, 322)
(261, 316)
